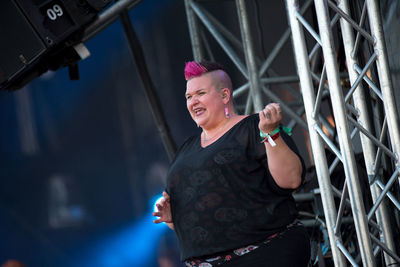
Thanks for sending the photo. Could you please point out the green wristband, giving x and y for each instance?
(287, 130)
(270, 133)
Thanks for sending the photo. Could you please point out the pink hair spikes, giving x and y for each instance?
(194, 69)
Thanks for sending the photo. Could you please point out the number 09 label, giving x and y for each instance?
(57, 22)
(54, 12)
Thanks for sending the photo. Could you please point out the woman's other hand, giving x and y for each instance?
(163, 210)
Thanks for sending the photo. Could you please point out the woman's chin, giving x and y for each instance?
(198, 121)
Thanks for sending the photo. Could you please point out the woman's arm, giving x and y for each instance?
(284, 165)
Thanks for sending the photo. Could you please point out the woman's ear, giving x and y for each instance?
(226, 95)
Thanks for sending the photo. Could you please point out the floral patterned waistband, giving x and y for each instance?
(229, 255)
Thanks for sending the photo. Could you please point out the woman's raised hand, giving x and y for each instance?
(270, 117)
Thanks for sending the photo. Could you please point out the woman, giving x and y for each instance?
(229, 189)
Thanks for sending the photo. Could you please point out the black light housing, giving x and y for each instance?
(41, 35)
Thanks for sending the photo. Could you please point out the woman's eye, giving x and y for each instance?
(188, 97)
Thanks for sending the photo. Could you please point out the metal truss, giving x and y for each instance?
(347, 100)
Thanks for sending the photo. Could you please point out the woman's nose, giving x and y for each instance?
(194, 100)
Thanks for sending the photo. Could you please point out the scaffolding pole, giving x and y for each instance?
(321, 166)
(370, 152)
(342, 128)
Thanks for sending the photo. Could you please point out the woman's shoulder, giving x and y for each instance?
(248, 119)
(244, 122)
(189, 140)
(254, 117)
(185, 146)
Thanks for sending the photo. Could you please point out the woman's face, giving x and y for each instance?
(204, 100)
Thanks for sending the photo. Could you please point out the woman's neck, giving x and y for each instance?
(211, 134)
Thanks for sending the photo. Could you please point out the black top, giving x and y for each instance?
(223, 196)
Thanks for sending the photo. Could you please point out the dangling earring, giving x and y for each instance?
(226, 112)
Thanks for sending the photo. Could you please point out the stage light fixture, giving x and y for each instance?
(41, 35)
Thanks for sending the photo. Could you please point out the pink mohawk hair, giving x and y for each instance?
(195, 69)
